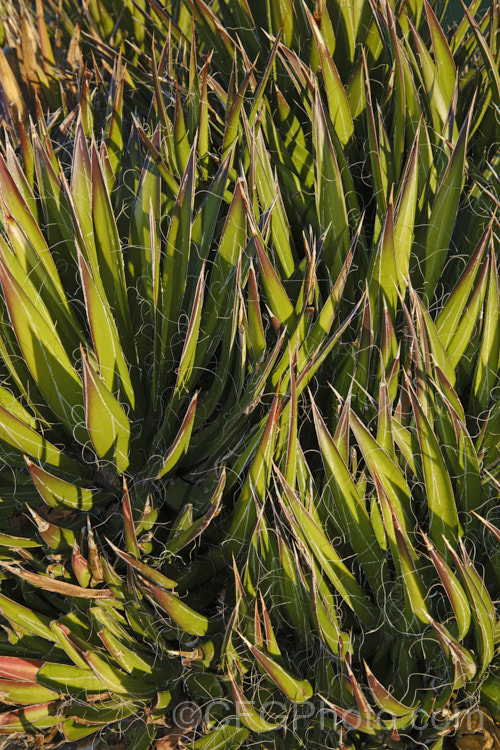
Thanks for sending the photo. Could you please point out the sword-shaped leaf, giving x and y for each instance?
(308, 531)
(26, 619)
(255, 327)
(489, 63)
(353, 719)
(43, 351)
(443, 516)
(488, 361)
(233, 122)
(194, 530)
(406, 204)
(482, 608)
(24, 440)
(128, 523)
(380, 183)
(143, 569)
(127, 658)
(185, 617)
(439, 102)
(181, 441)
(450, 315)
(463, 661)
(244, 515)
(68, 678)
(116, 680)
(185, 371)
(338, 106)
(270, 197)
(350, 506)
(246, 711)
(177, 255)
(382, 272)
(386, 700)
(292, 688)
(81, 188)
(443, 213)
(277, 297)
(387, 471)
(56, 492)
(463, 332)
(39, 716)
(454, 591)
(329, 194)
(107, 423)
(445, 64)
(59, 587)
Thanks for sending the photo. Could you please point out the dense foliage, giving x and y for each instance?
(249, 360)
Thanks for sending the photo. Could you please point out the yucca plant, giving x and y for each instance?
(249, 415)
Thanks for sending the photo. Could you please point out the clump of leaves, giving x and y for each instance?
(249, 403)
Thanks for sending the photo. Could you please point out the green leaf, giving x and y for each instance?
(445, 64)
(338, 105)
(39, 716)
(81, 191)
(233, 122)
(18, 692)
(112, 365)
(31, 248)
(23, 439)
(116, 680)
(271, 199)
(277, 297)
(181, 441)
(406, 203)
(472, 313)
(436, 347)
(255, 326)
(313, 536)
(185, 371)
(244, 515)
(448, 319)
(443, 213)
(26, 619)
(329, 194)
(105, 418)
(489, 63)
(294, 689)
(350, 506)
(143, 569)
(384, 699)
(110, 266)
(246, 712)
(464, 663)
(56, 492)
(176, 257)
(185, 617)
(482, 608)
(382, 272)
(381, 467)
(43, 351)
(194, 530)
(68, 679)
(486, 374)
(454, 591)
(128, 659)
(439, 103)
(443, 516)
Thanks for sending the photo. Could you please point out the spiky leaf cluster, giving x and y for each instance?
(249, 415)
